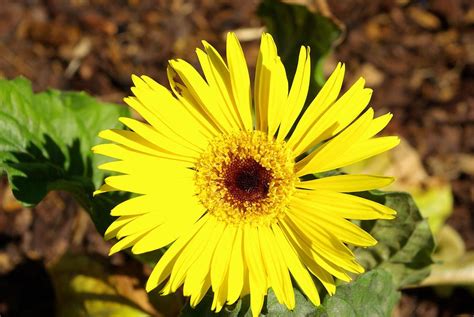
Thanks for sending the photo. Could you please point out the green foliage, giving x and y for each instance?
(372, 294)
(405, 244)
(303, 306)
(45, 142)
(293, 26)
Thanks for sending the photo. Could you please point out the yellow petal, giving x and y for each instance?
(202, 94)
(124, 152)
(276, 268)
(198, 295)
(221, 258)
(126, 242)
(297, 94)
(218, 77)
(347, 183)
(341, 228)
(299, 272)
(164, 266)
(328, 248)
(105, 189)
(185, 97)
(175, 188)
(166, 233)
(271, 88)
(240, 79)
(236, 269)
(342, 205)
(363, 150)
(220, 295)
(200, 270)
(256, 302)
(172, 113)
(322, 159)
(329, 245)
(257, 272)
(151, 167)
(141, 223)
(167, 114)
(337, 117)
(253, 258)
(188, 256)
(134, 141)
(325, 98)
(116, 225)
(311, 262)
(177, 146)
(135, 206)
(309, 256)
(377, 125)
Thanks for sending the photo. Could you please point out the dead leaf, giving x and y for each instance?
(424, 18)
(9, 202)
(84, 287)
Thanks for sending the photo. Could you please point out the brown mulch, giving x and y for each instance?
(419, 58)
(417, 55)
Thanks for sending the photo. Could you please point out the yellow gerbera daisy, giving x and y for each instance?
(227, 182)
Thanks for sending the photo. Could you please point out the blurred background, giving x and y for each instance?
(418, 56)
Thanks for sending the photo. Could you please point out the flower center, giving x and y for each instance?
(245, 177)
(247, 180)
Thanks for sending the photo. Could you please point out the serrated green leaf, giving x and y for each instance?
(371, 294)
(405, 244)
(45, 142)
(293, 26)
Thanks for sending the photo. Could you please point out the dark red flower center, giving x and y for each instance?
(247, 180)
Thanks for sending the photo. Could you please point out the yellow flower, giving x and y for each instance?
(226, 180)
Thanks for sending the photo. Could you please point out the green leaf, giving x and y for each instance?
(371, 294)
(293, 26)
(45, 142)
(405, 244)
(303, 306)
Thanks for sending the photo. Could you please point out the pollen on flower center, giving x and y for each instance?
(245, 177)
